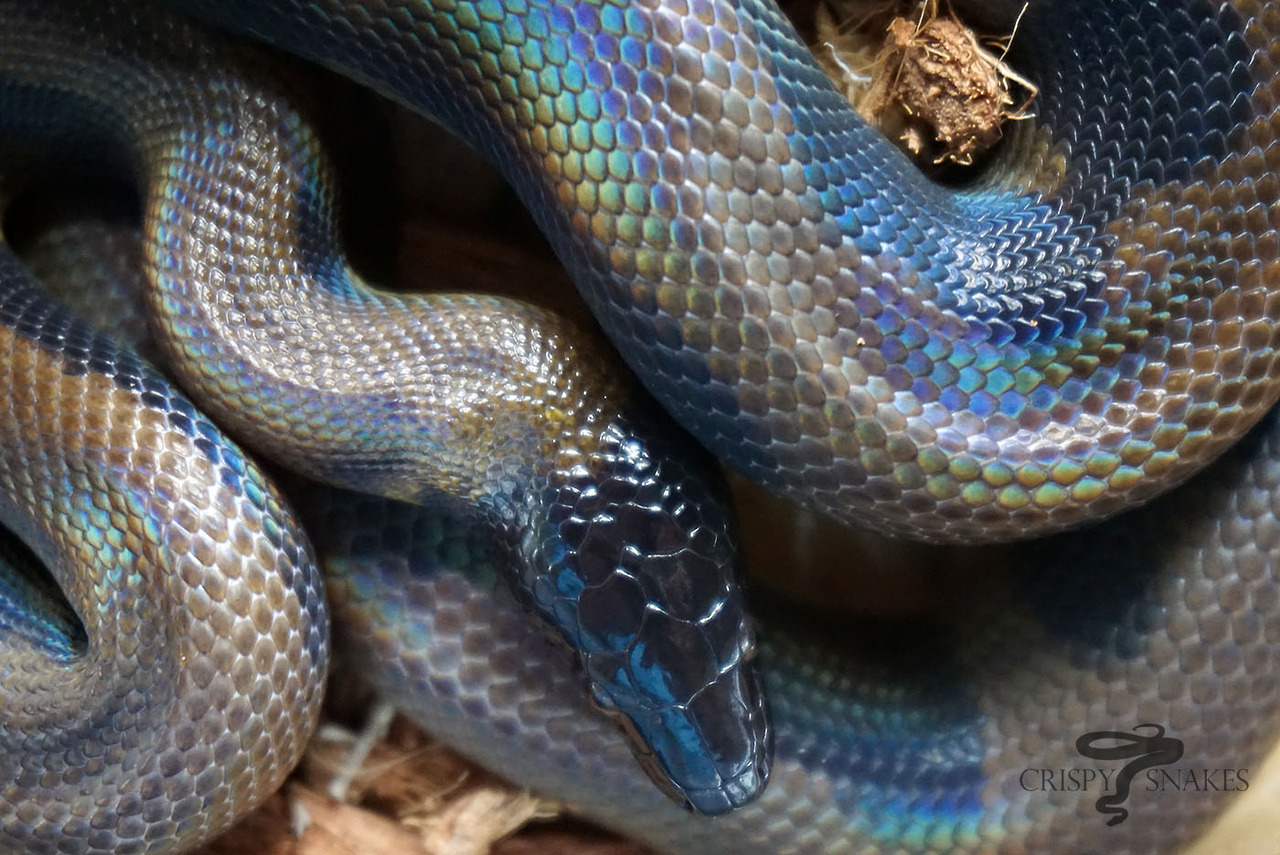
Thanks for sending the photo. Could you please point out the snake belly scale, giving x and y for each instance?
(1082, 329)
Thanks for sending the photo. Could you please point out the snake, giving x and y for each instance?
(1076, 330)
(480, 403)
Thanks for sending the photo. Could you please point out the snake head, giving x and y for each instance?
(635, 565)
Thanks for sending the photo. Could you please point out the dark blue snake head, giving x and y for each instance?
(635, 564)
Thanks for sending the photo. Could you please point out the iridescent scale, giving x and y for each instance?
(1083, 327)
(1064, 340)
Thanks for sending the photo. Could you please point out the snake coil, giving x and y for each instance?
(1078, 331)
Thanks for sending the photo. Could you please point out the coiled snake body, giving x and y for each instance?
(1081, 330)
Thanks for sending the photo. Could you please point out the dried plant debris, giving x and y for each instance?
(923, 78)
(453, 808)
(406, 795)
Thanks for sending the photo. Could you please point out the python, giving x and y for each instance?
(1074, 331)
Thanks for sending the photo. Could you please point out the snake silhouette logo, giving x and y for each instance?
(1140, 750)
